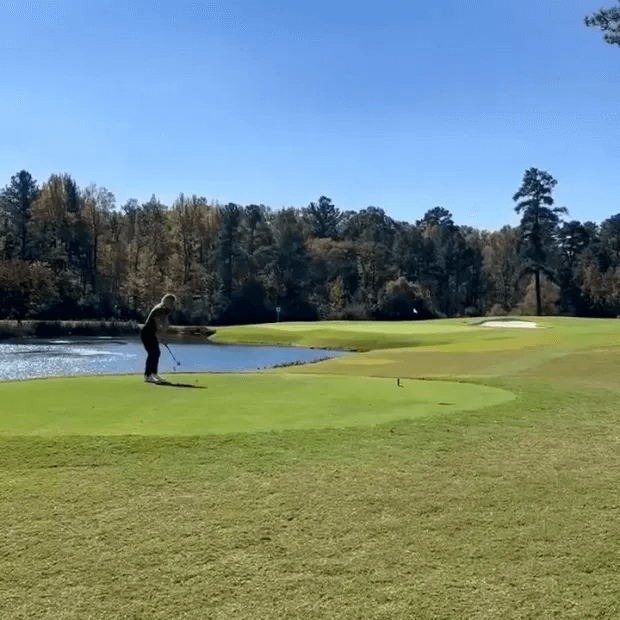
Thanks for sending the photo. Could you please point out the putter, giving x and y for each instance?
(171, 353)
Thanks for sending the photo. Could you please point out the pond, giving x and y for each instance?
(103, 354)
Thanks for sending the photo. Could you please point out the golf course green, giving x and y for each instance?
(442, 469)
(232, 404)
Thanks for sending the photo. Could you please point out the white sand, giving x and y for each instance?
(500, 323)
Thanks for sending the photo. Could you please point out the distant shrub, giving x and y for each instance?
(354, 312)
(549, 293)
(497, 310)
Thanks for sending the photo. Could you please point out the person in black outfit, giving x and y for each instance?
(157, 321)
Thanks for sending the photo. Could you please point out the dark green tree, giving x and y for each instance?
(610, 241)
(373, 232)
(538, 222)
(255, 241)
(436, 217)
(287, 283)
(573, 239)
(228, 240)
(16, 202)
(608, 20)
(370, 225)
(456, 266)
(323, 217)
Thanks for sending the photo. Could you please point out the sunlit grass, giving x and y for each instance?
(507, 510)
(232, 403)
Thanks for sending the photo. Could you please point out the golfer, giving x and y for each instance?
(157, 321)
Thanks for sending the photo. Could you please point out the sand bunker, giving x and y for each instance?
(500, 323)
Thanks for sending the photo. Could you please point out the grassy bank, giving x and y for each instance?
(325, 491)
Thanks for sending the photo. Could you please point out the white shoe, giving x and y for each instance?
(151, 379)
(158, 378)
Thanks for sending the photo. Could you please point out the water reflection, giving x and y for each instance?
(105, 354)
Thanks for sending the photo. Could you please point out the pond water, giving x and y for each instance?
(102, 354)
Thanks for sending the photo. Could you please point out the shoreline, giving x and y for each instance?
(46, 329)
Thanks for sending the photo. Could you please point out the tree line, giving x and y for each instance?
(70, 253)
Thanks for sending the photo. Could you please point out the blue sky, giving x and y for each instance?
(400, 105)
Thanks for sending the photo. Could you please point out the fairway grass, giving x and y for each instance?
(486, 487)
(233, 403)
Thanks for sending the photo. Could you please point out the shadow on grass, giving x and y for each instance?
(180, 385)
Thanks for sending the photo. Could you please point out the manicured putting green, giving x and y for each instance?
(395, 327)
(373, 335)
(122, 405)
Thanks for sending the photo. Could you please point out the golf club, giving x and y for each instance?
(171, 353)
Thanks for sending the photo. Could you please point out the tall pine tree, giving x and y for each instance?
(538, 219)
(16, 201)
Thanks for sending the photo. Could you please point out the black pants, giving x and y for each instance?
(151, 344)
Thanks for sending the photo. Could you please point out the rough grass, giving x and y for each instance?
(507, 511)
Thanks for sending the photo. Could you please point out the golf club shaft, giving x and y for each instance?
(171, 353)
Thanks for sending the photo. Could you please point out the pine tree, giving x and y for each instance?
(16, 201)
(537, 222)
(608, 20)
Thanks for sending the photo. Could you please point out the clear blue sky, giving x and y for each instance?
(400, 105)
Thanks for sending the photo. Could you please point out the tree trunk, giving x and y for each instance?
(538, 300)
(24, 249)
(93, 272)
